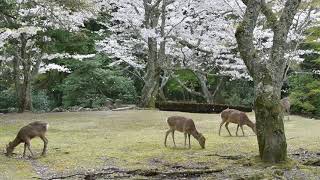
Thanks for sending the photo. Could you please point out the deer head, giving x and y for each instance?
(202, 141)
(9, 149)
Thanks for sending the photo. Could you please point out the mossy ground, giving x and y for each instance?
(80, 141)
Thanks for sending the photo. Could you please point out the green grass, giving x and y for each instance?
(133, 140)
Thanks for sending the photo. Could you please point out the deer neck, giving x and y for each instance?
(250, 124)
(15, 143)
(196, 134)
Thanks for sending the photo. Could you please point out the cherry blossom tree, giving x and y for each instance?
(24, 25)
(267, 72)
(161, 36)
(195, 35)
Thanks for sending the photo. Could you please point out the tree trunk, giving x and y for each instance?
(25, 98)
(267, 74)
(24, 89)
(150, 90)
(204, 88)
(152, 78)
(16, 72)
(270, 127)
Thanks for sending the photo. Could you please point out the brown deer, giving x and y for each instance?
(28, 132)
(285, 103)
(236, 117)
(186, 126)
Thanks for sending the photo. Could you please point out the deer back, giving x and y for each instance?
(231, 115)
(32, 130)
(181, 123)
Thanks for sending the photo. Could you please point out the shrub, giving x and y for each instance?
(305, 94)
(40, 101)
(92, 87)
(8, 98)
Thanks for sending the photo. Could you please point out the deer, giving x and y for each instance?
(186, 126)
(237, 117)
(25, 134)
(285, 103)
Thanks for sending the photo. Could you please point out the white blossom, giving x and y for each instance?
(57, 67)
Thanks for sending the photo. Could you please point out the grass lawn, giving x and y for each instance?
(130, 140)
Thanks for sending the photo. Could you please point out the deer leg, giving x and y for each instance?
(28, 145)
(45, 143)
(185, 139)
(189, 141)
(172, 132)
(228, 128)
(237, 130)
(165, 139)
(242, 130)
(220, 127)
(24, 151)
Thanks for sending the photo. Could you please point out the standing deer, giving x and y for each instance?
(28, 132)
(285, 103)
(186, 126)
(236, 117)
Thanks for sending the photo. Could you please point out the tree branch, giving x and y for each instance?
(267, 11)
(281, 34)
(244, 35)
(184, 86)
(189, 45)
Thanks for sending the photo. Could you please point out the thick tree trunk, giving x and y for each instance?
(270, 127)
(152, 78)
(267, 74)
(150, 89)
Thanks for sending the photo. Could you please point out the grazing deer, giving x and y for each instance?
(285, 103)
(186, 126)
(236, 117)
(28, 132)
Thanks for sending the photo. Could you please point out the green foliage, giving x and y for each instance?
(237, 92)
(232, 92)
(305, 94)
(174, 91)
(73, 43)
(90, 86)
(305, 88)
(8, 98)
(40, 101)
(50, 82)
(65, 42)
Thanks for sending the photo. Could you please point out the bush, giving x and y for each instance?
(8, 99)
(91, 87)
(305, 94)
(40, 101)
